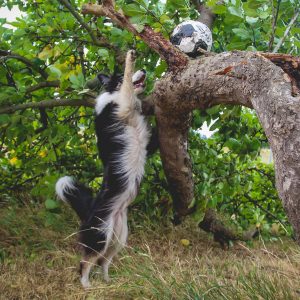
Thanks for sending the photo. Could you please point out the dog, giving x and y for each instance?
(123, 141)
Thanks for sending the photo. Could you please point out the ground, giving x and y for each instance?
(39, 260)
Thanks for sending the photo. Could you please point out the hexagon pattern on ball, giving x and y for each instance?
(190, 35)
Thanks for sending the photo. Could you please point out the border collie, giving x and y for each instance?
(122, 140)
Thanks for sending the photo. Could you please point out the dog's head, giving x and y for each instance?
(113, 83)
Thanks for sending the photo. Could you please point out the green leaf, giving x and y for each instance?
(219, 9)
(139, 27)
(55, 73)
(242, 33)
(103, 53)
(251, 20)
(4, 120)
(233, 144)
(264, 14)
(78, 81)
(177, 4)
(132, 10)
(140, 20)
(235, 11)
(144, 3)
(51, 204)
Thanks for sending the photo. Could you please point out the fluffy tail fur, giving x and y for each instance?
(77, 195)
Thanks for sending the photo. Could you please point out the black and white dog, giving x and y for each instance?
(122, 139)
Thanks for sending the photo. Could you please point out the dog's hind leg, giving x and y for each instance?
(117, 243)
(85, 267)
(105, 262)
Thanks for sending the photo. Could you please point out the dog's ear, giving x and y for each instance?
(104, 79)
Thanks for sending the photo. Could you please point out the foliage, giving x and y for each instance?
(229, 172)
(38, 146)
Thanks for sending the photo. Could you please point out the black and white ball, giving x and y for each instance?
(190, 35)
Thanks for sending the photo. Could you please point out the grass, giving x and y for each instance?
(40, 261)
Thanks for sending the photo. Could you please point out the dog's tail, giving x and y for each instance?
(77, 195)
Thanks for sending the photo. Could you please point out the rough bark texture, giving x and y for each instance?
(290, 65)
(222, 234)
(173, 134)
(241, 78)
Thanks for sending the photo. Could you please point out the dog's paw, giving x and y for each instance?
(131, 55)
(85, 283)
(106, 278)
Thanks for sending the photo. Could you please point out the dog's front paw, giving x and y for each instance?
(131, 55)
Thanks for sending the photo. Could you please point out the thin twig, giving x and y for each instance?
(275, 18)
(81, 21)
(287, 31)
(4, 55)
(81, 56)
(154, 16)
(255, 202)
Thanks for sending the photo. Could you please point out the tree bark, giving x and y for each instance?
(241, 78)
(173, 134)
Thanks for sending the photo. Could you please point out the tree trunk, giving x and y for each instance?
(241, 78)
(173, 134)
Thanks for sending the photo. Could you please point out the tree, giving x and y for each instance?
(267, 82)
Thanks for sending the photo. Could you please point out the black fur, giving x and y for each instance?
(107, 128)
(94, 212)
(81, 200)
(111, 83)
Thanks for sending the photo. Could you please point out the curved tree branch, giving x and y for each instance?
(6, 54)
(41, 85)
(48, 104)
(241, 78)
(290, 65)
(147, 104)
(173, 56)
(222, 234)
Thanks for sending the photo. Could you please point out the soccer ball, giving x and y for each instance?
(190, 35)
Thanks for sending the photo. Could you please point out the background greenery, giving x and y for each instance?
(227, 168)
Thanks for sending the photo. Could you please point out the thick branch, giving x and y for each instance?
(147, 105)
(5, 54)
(174, 57)
(241, 78)
(223, 234)
(290, 65)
